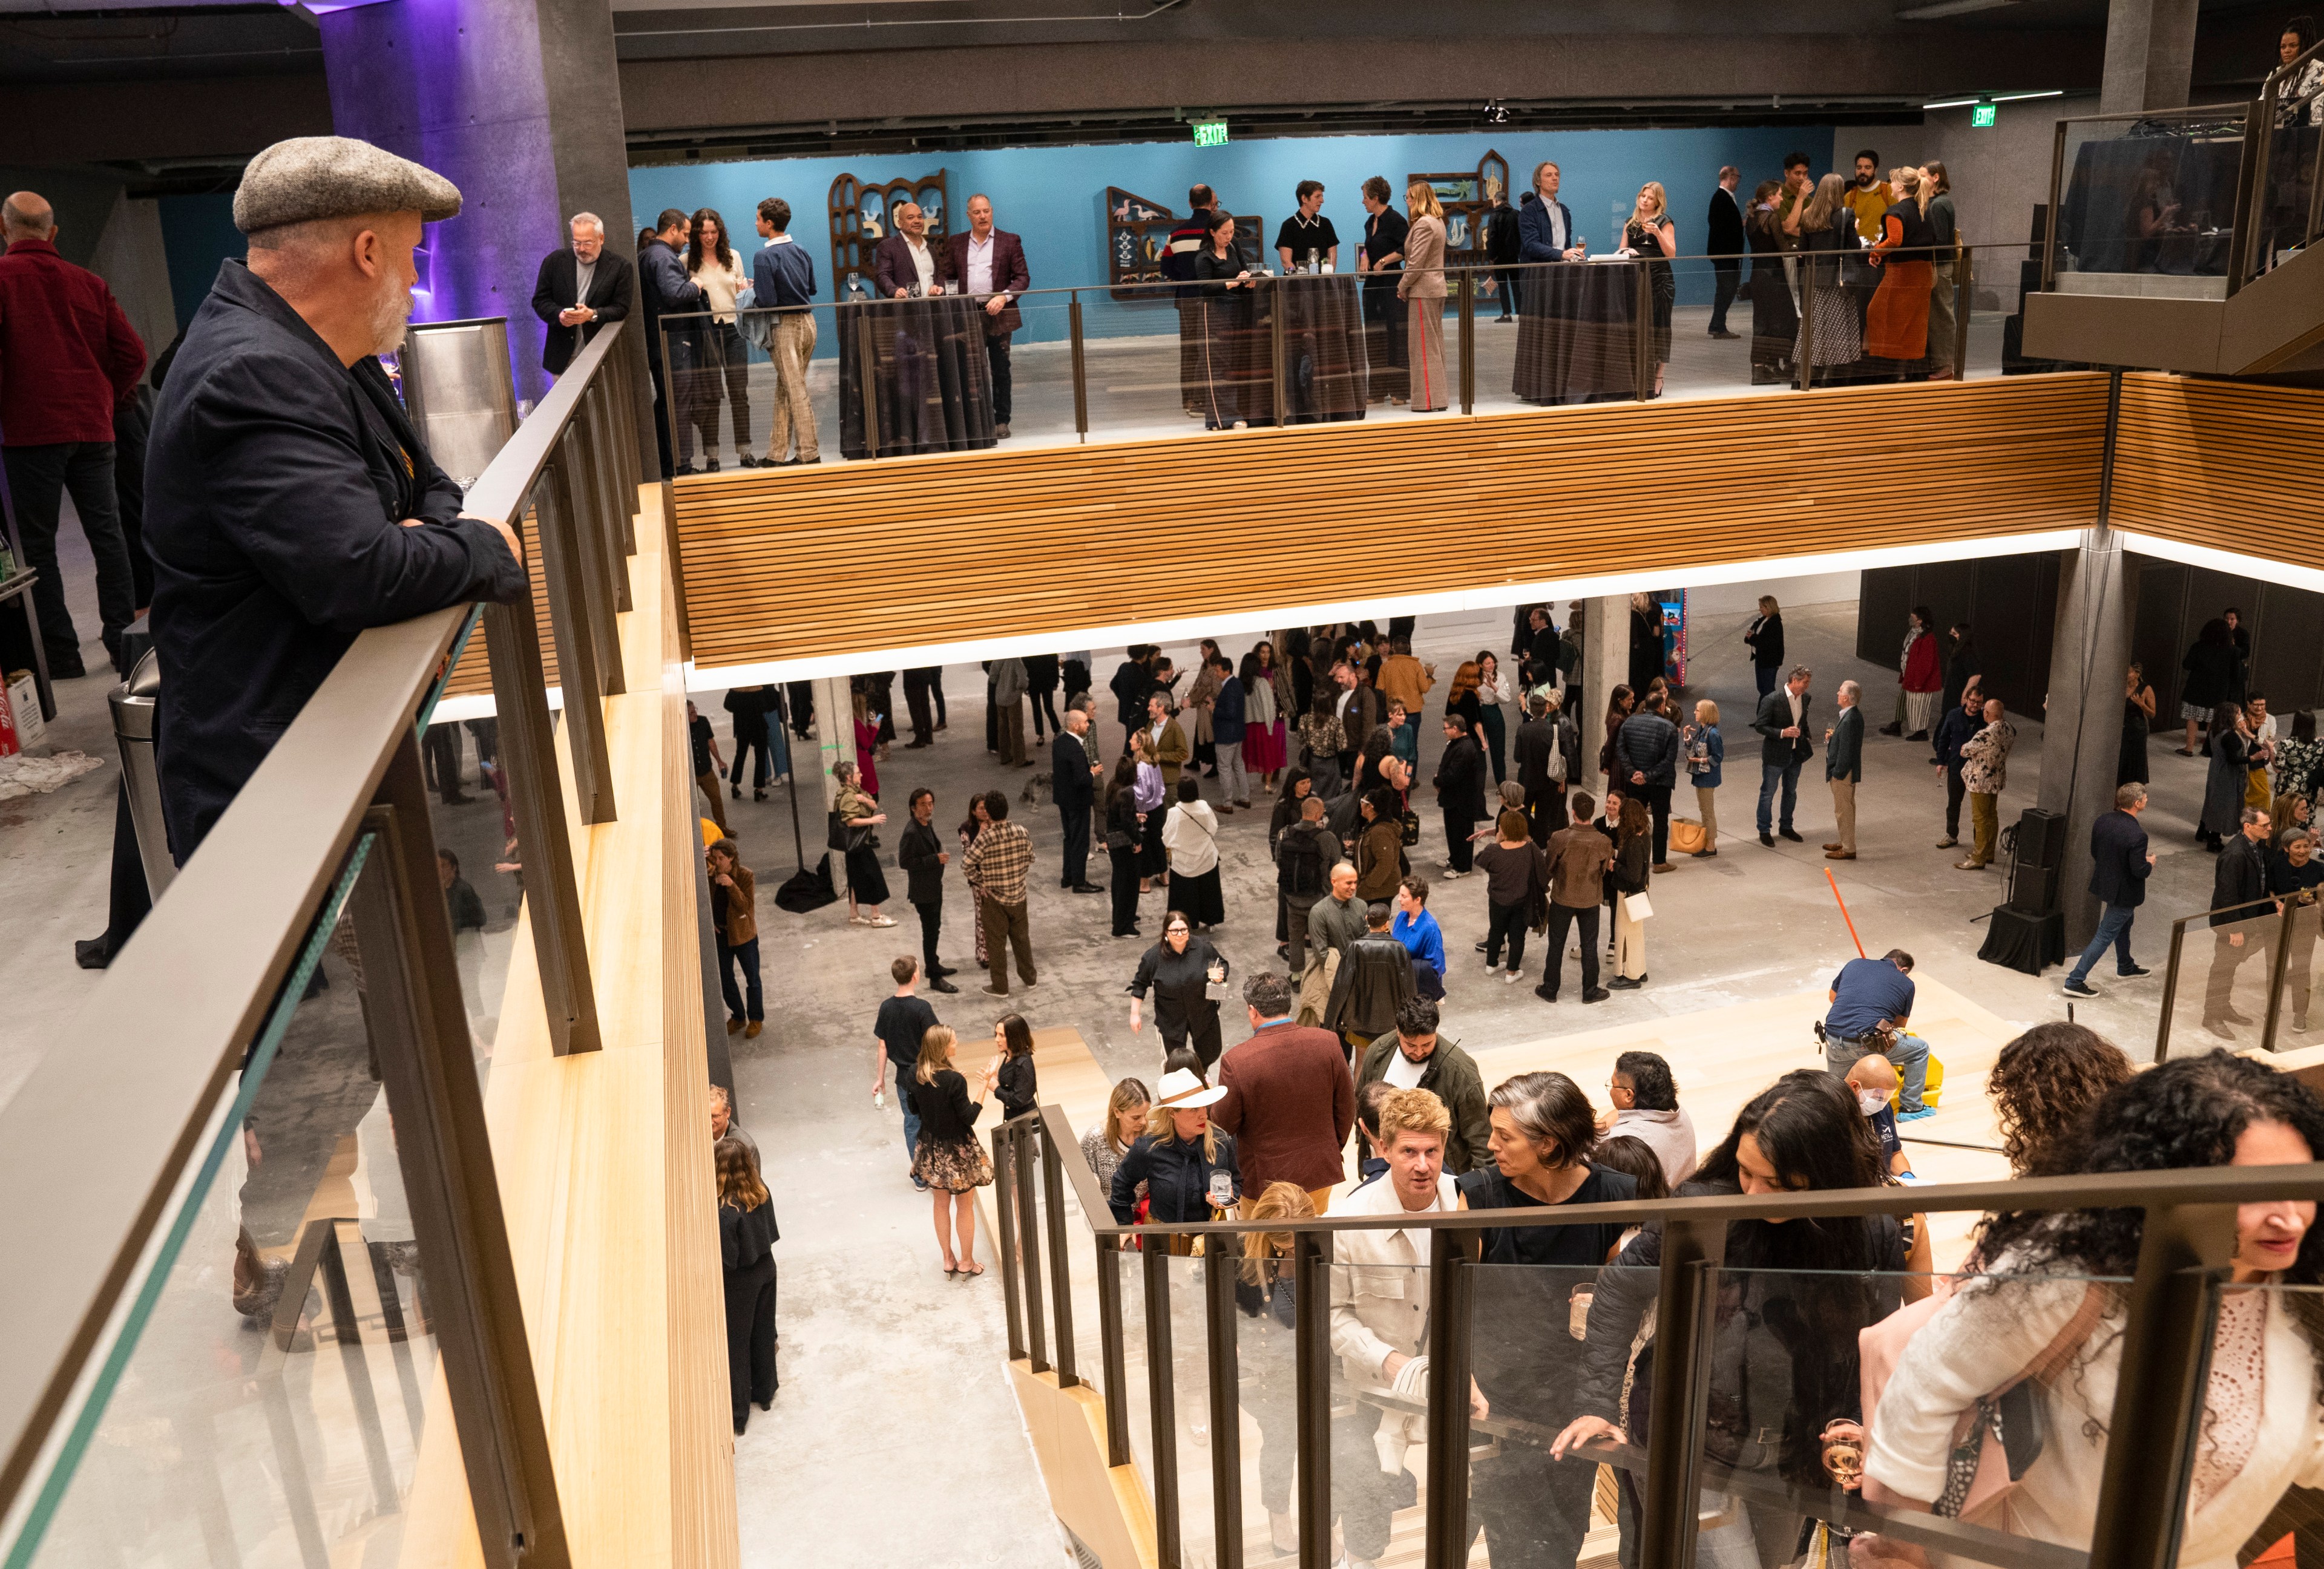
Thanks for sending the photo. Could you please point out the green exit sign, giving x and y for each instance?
(1209, 132)
(1981, 115)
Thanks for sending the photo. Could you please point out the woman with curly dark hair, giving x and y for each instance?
(2045, 1328)
(1794, 1295)
(2043, 1083)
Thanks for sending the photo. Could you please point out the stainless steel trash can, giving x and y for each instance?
(133, 732)
(458, 389)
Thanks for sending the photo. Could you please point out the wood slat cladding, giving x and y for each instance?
(475, 671)
(798, 563)
(2234, 465)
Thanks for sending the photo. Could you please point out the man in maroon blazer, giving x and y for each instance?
(989, 264)
(905, 260)
(1289, 1101)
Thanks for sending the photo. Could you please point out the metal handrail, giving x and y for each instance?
(210, 959)
(1165, 289)
(2188, 1236)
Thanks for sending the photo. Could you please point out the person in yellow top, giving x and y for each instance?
(1869, 196)
(1402, 676)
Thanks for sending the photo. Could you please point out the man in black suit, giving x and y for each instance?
(580, 289)
(2120, 863)
(1783, 746)
(2238, 896)
(923, 857)
(1723, 234)
(1074, 772)
(1541, 769)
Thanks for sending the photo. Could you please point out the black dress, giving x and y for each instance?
(746, 1239)
(1123, 843)
(1183, 1010)
(1386, 320)
(1660, 280)
(2132, 768)
(1228, 382)
(1775, 318)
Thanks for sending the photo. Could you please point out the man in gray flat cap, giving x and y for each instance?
(290, 504)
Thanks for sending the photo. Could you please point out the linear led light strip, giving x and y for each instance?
(1993, 98)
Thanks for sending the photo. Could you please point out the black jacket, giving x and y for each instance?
(1774, 718)
(1176, 1175)
(276, 482)
(1953, 731)
(662, 287)
(1070, 784)
(745, 1236)
(1303, 858)
(916, 853)
(611, 287)
(1960, 666)
(749, 708)
(1768, 640)
(2118, 868)
(1647, 744)
(1461, 778)
(1722, 231)
(2239, 882)
(946, 1114)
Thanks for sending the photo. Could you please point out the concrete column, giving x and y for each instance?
(1605, 665)
(835, 733)
(2082, 736)
(518, 103)
(2149, 55)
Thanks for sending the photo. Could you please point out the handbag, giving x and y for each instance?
(1686, 836)
(845, 839)
(1638, 906)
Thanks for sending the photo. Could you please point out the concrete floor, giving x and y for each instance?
(878, 1342)
(883, 1354)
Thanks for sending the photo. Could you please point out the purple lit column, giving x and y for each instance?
(518, 103)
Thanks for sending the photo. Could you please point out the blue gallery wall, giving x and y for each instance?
(198, 233)
(1055, 197)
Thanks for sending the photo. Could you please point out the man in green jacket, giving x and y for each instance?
(1416, 1058)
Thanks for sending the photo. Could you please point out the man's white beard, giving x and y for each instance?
(390, 312)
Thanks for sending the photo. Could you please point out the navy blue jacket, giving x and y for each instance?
(1844, 754)
(1535, 240)
(1953, 731)
(1647, 744)
(276, 481)
(2118, 868)
(663, 288)
(782, 277)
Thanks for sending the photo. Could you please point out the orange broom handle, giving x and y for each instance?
(1828, 877)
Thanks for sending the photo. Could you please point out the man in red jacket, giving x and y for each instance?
(1289, 1101)
(68, 358)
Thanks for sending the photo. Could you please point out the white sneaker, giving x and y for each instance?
(1510, 979)
(1449, 874)
(1490, 966)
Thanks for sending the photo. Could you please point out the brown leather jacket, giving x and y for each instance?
(742, 907)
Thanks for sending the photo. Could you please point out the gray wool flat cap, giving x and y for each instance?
(308, 178)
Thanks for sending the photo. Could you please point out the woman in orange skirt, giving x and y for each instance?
(1896, 326)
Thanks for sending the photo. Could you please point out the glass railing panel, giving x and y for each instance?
(473, 814)
(759, 390)
(1266, 1386)
(2226, 969)
(1143, 362)
(1555, 1353)
(2296, 1007)
(1031, 368)
(1703, 334)
(1843, 1403)
(1191, 1399)
(275, 1394)
(2148, 205)
(1379, 1397)
(1576, 337)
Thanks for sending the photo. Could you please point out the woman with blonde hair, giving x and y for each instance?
(1706, 759)
(1125, 1119)
(1187, 1165)
(1264, 1291)
(1896, 325)
(859, 817)
(1765, 638)
(949, 1160)
(746, 1241)
(1421, 286)
(1651, 236)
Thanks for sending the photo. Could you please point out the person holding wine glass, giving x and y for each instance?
(1182, 971)
(1651, 235)
(1187, 1165)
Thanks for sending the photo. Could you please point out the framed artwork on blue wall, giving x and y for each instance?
(1138, 236)
(860, 221)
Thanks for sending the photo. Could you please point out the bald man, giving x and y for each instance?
(290, 504)
(68, 358)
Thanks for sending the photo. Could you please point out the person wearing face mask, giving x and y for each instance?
(2052, 1303)
(1785, 1399)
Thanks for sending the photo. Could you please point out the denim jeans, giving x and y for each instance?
(902, 1092)
(747, 956)
(2114, 929)
(1909, 1054)
(1769, 773)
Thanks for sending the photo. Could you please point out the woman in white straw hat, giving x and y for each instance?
(1188, 1166)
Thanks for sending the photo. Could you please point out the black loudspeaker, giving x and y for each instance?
(2037, 852)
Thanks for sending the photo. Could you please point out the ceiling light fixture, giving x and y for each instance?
(1993, 98)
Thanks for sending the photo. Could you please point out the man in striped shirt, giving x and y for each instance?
(996, 866)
